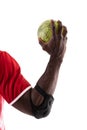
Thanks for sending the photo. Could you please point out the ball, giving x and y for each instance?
(45, 31)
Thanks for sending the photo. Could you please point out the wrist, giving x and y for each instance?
(56, 59)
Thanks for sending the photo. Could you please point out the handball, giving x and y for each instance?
(45, 31)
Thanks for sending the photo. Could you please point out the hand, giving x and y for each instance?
(57, 45)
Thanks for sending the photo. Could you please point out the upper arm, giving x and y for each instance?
(23, 103)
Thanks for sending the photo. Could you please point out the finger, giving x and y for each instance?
(62, 44)
(59, 37)
(53, 30)
(65, 40)
(40, 41)
(62, 47)
(59, 28)
(44, 46)
(64, 31)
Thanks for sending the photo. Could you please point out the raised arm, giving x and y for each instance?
(38, 100)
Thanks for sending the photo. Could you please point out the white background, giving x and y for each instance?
(19, 21)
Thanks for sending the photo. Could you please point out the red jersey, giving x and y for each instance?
(12, 83)
(1, 114)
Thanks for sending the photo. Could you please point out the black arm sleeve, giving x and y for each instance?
(45, 107)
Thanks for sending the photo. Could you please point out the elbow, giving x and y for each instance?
(39, 114)
(43, 110)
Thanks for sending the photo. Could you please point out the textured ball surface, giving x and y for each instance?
(45, 30)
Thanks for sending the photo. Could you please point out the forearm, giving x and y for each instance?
(48, 80)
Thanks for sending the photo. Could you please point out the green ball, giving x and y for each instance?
(45, 30)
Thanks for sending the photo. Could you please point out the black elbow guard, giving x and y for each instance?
(45, 107)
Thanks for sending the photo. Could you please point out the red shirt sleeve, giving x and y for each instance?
(12, 83)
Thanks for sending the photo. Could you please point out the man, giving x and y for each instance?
(17, 91)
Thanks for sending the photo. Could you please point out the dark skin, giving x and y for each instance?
(48, 81)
